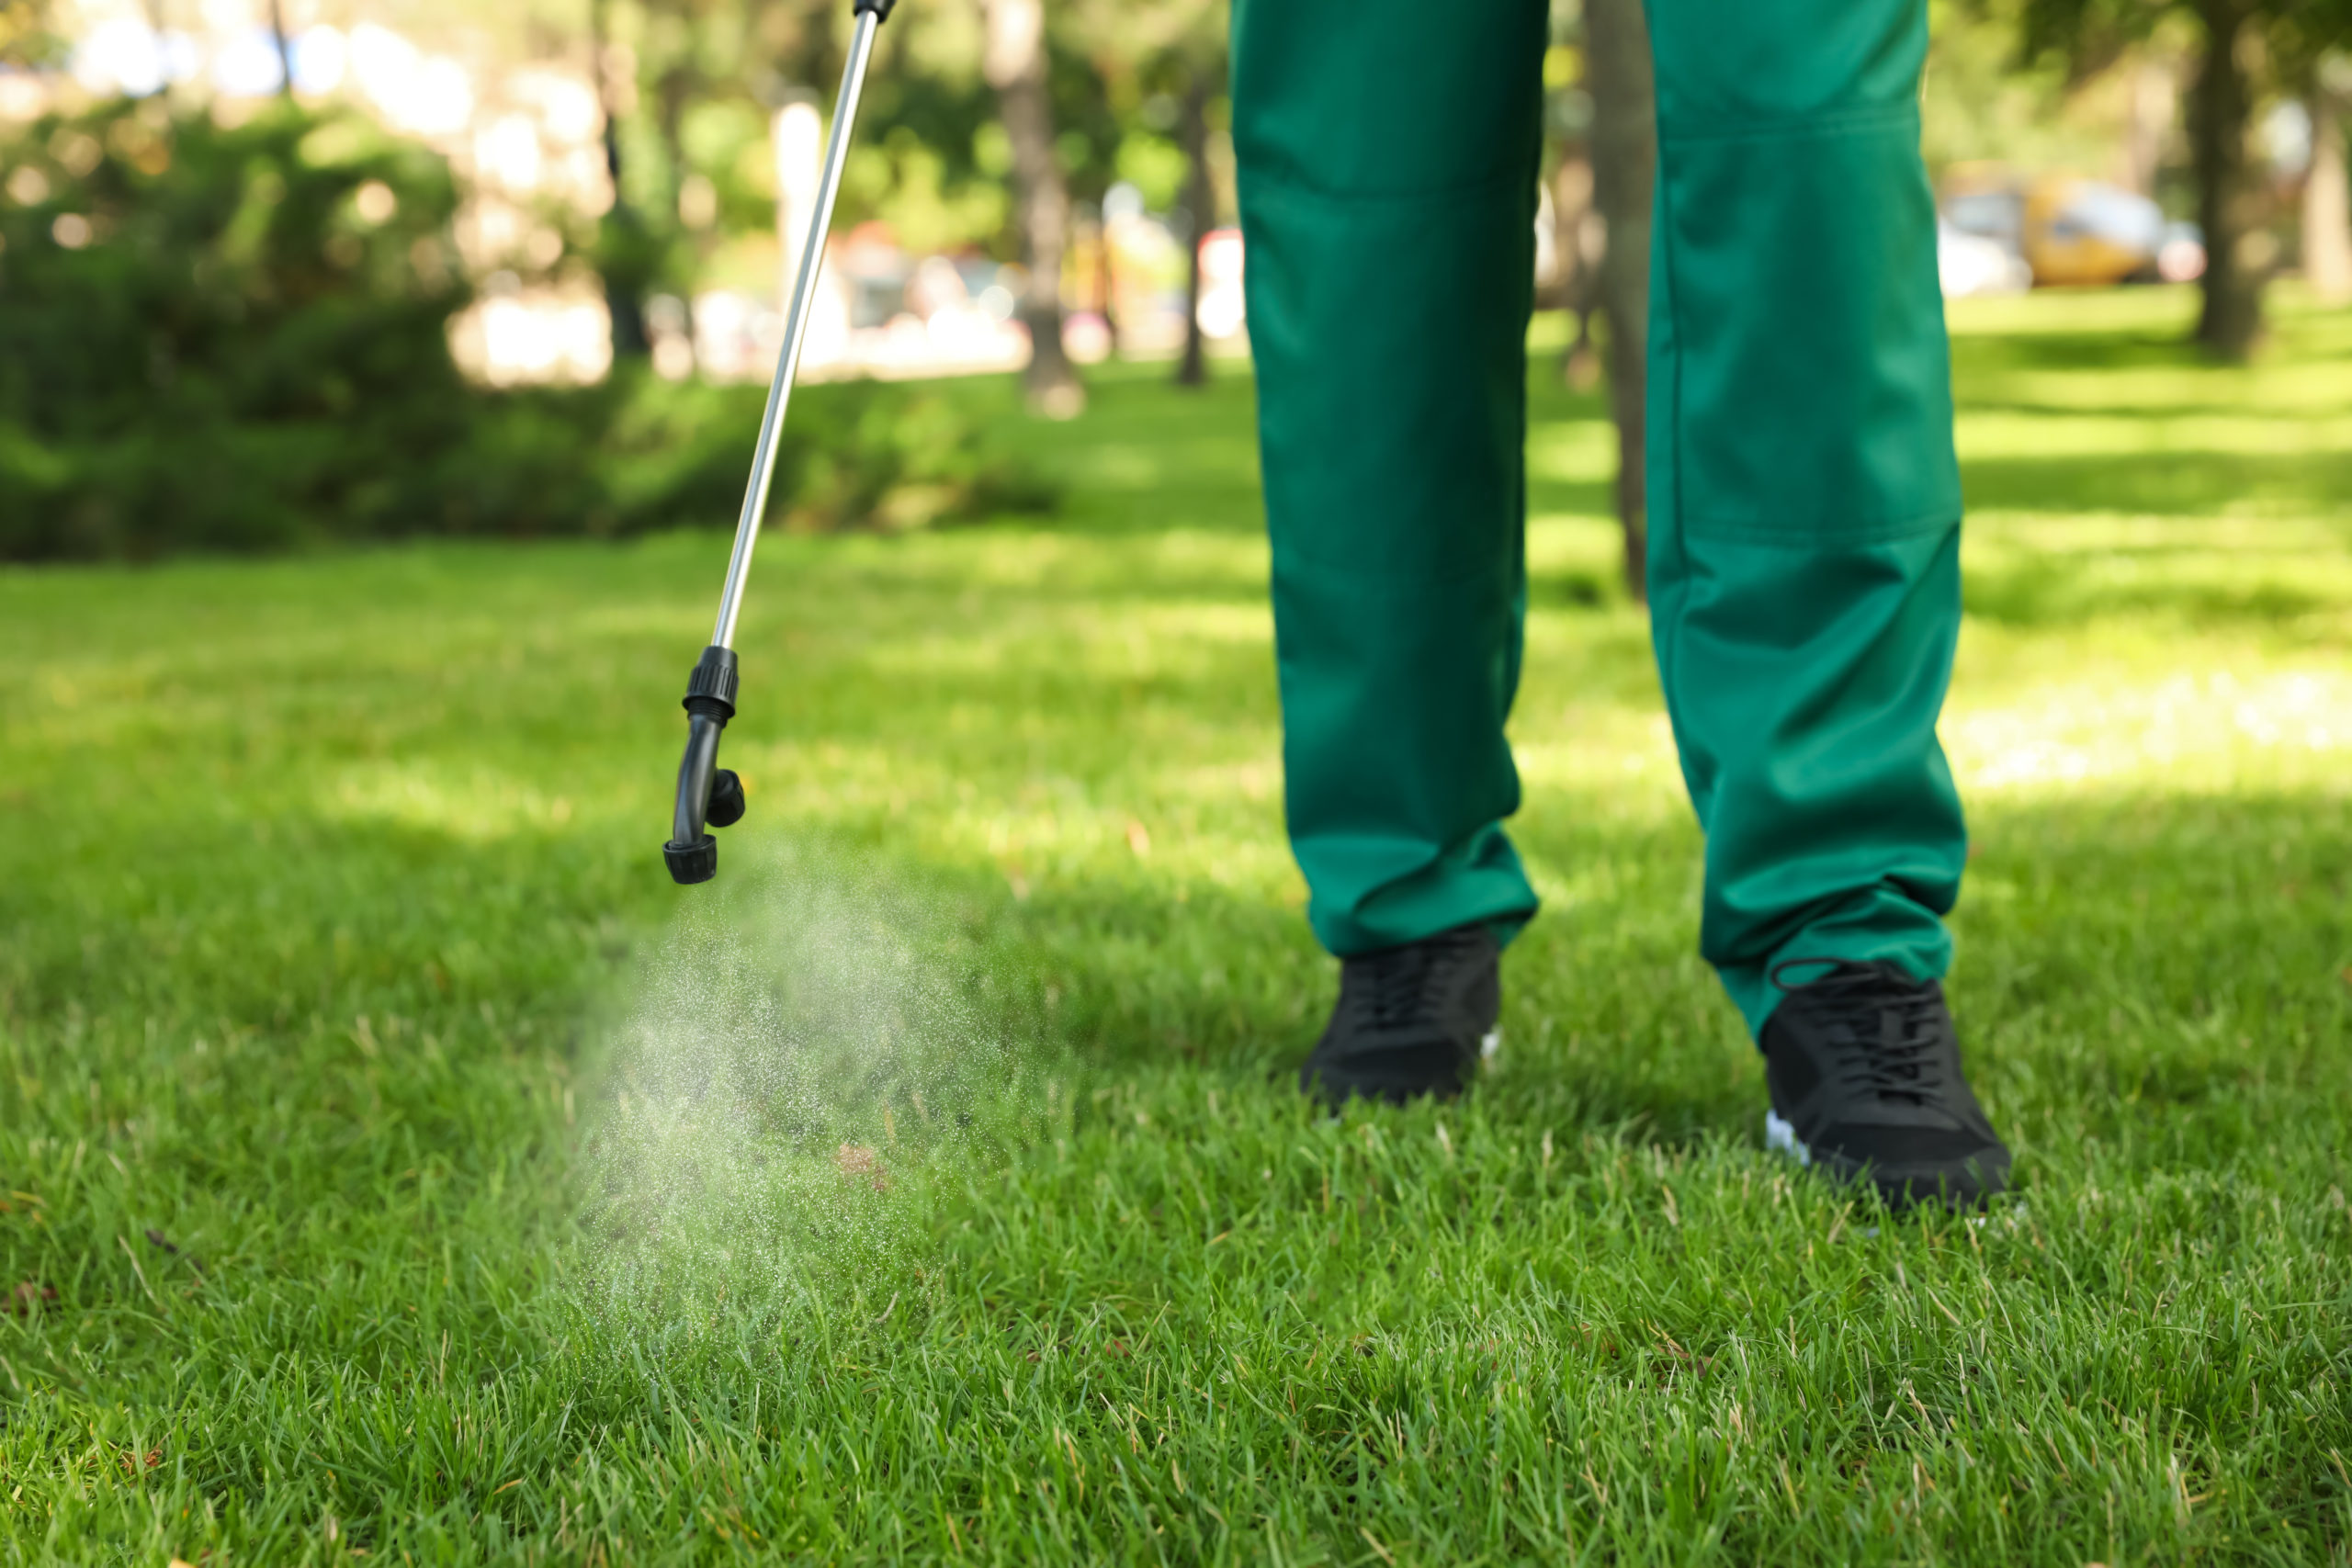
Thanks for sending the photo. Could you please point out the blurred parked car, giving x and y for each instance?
(2071, 231)
(1975, 264)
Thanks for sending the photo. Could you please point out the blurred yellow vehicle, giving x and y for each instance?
(2072, 231)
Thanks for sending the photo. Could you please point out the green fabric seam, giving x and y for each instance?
(1506, 181)
(1835, 122)
(1406, 581)
(1768, 536)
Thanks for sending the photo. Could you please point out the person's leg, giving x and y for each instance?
(1804, 567)
(1804, 499)
(1387, 153)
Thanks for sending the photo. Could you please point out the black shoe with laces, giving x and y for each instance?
(1863, 1064)
(1411, 1020)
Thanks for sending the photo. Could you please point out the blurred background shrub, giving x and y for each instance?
(216, 335)
(234, 336)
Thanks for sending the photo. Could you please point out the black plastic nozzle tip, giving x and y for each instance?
(690, 864)
(881, 8)
(725, 799)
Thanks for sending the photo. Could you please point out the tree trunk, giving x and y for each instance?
(285, 48)
(2221, 111)
(671, 92)
(1200, 215)
(1106, 283)
(1012, 58)
(2327, 205)
(622, 246)
(1625, 170)
(154, 9)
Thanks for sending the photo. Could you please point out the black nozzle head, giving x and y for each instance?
(726, 806)
(690, 864)
(881, 8)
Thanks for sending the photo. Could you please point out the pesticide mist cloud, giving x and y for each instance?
(809, 1057)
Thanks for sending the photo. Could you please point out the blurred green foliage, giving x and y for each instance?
(931, 156)
(235, 337)
(28, 33)
(855, 454)
(214, 333)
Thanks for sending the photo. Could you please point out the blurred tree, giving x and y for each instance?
(28, 33)
(625, 253)
(1624, 171)
(1013, 60)
(1199, 215)
(2245, 48)
(934, 157)
(1981, 102)
(1614, 107)
(1578, 236)
(2221, 120)
(279, 39)
(1191, 64)
(2327, 187)
(673, 60)
(1168, 53)
(236, 337)
(694, 88)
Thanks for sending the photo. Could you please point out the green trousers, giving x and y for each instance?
(1804, 500)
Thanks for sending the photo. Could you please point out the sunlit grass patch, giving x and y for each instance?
(390, 1146)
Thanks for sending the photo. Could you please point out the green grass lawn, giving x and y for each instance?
(395, 1162)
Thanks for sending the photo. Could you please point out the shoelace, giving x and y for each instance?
(1407, 981)
(1894, 1060)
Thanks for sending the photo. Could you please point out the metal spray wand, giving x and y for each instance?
(707, 791)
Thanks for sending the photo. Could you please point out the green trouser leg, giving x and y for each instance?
(1388, 154)
(1804, 498)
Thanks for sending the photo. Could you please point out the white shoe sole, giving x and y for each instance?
(1783, 1136)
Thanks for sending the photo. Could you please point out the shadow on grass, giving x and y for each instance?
(2049, 595)
(2094, 350)
(2119, 956)
(1572, 591)
(2169, 484)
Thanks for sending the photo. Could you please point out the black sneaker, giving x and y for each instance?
(1864, 1069)
(1411, 1020)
